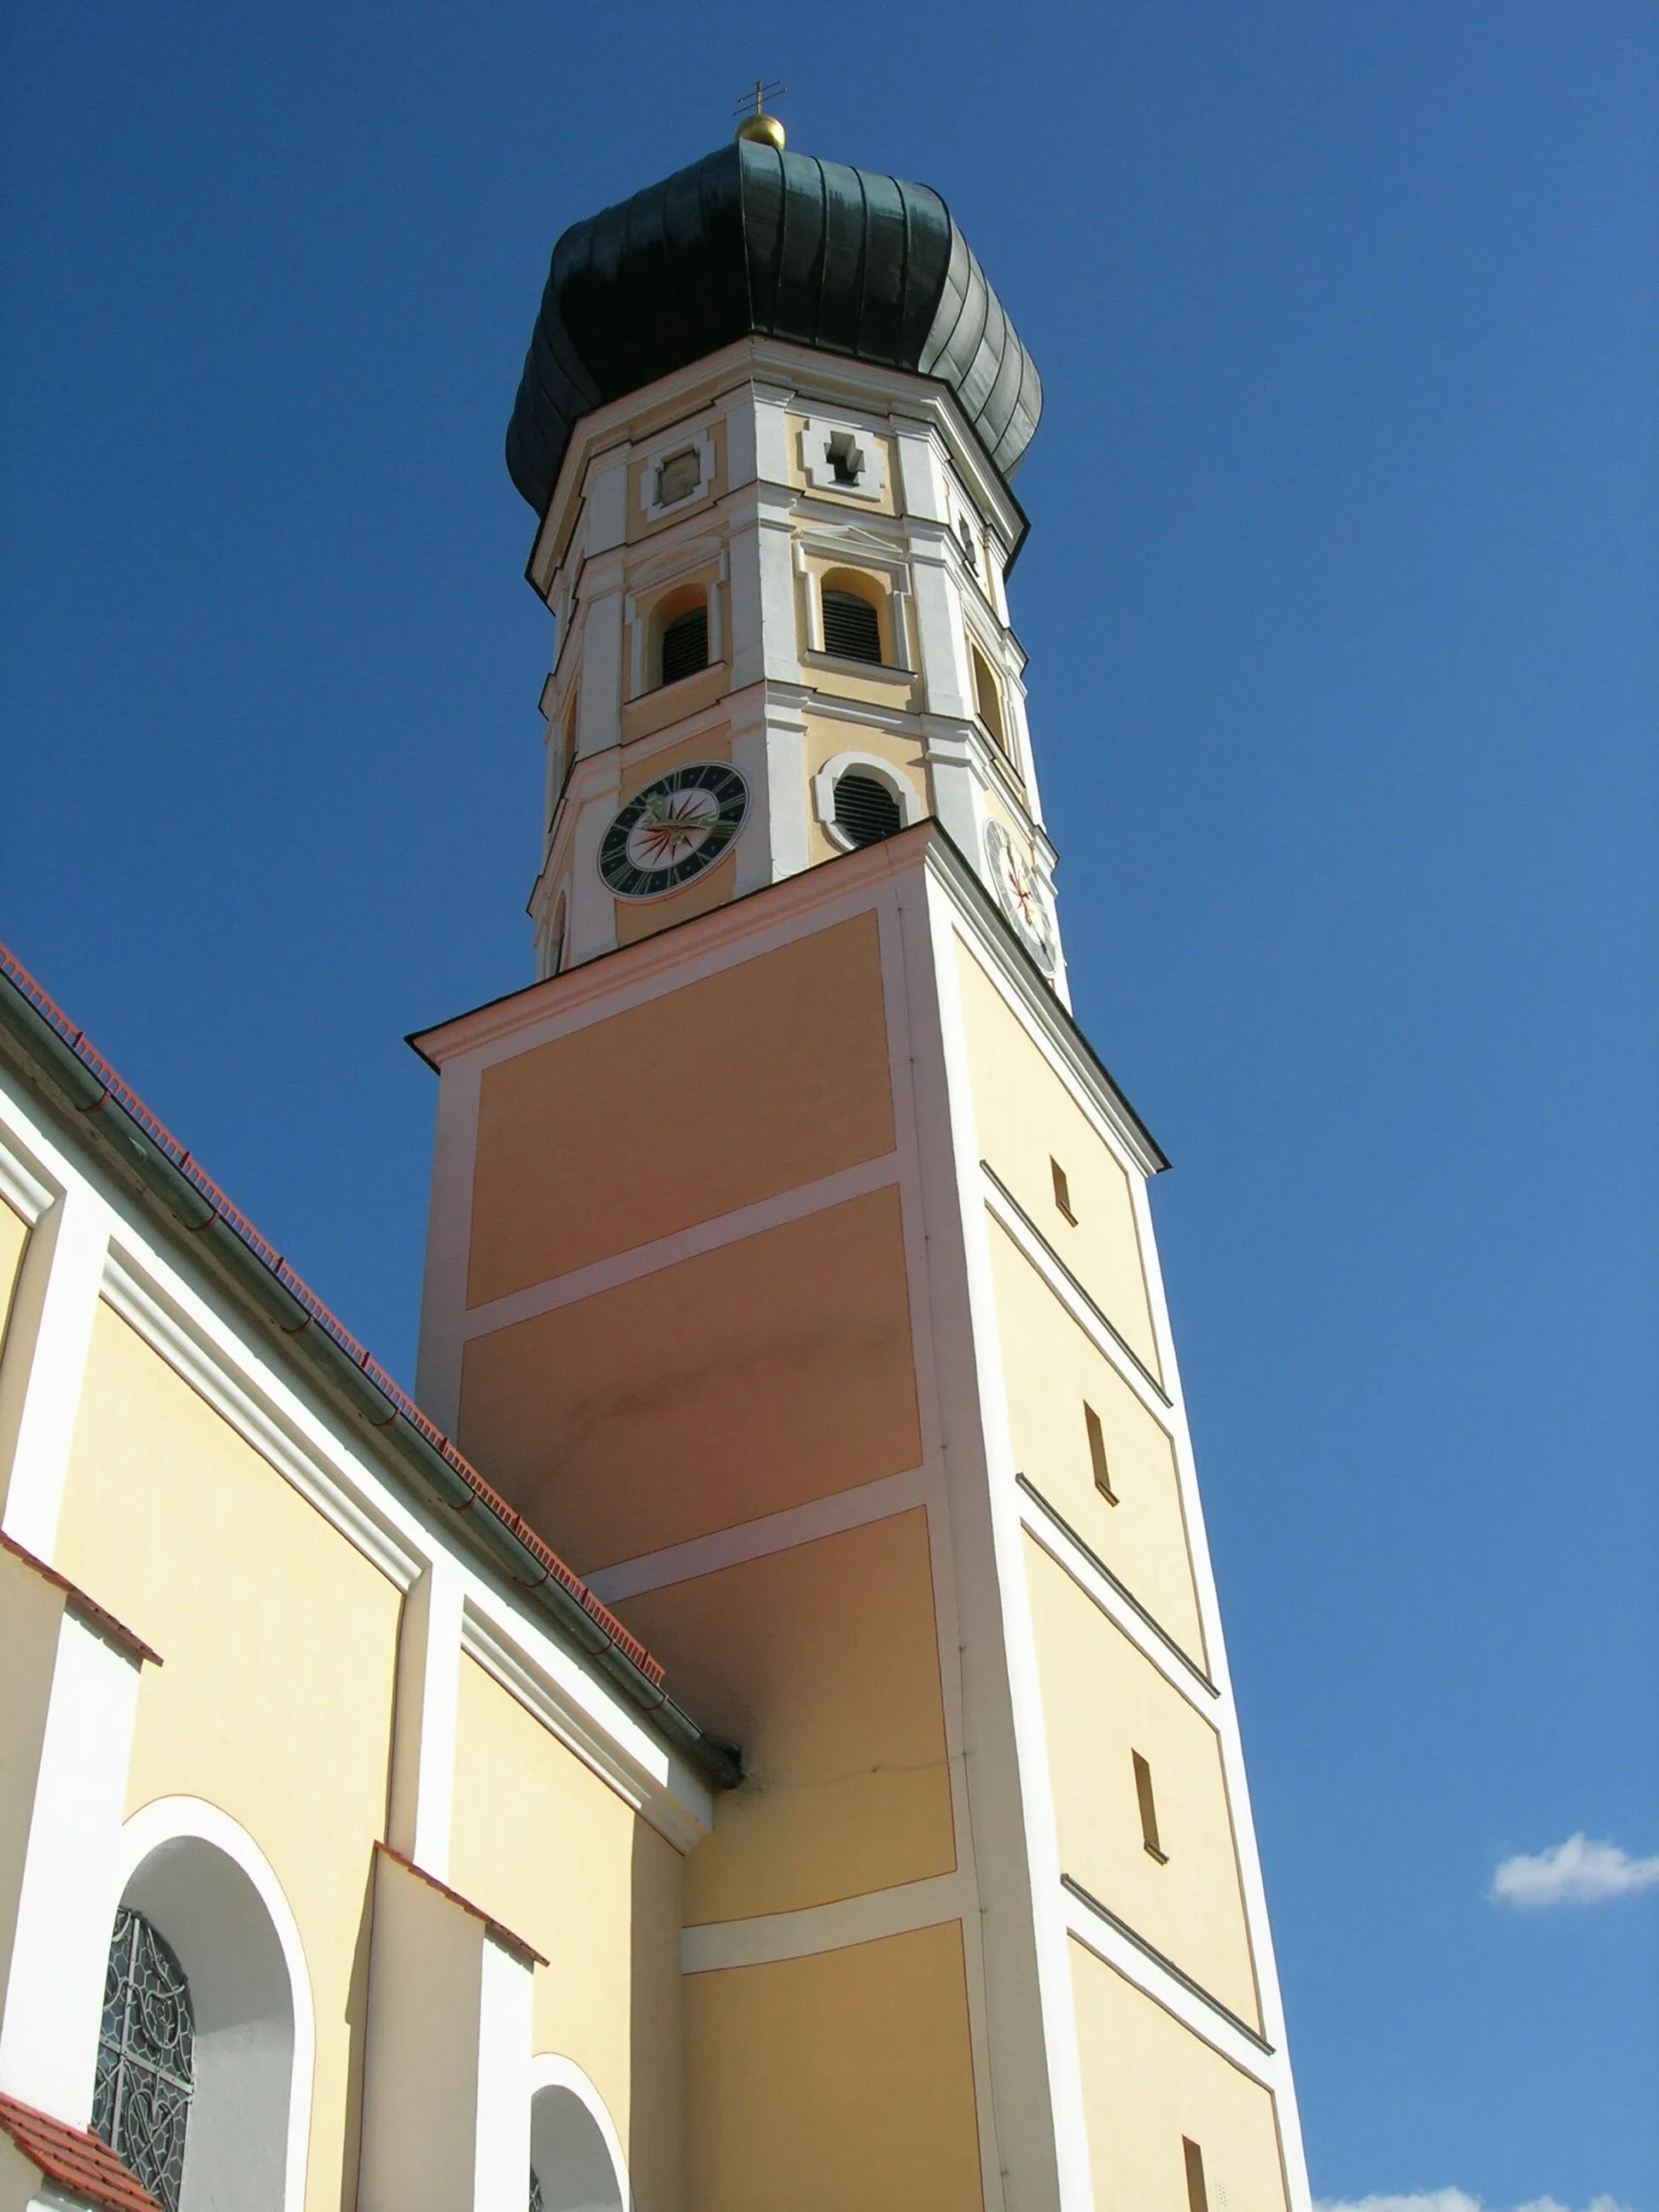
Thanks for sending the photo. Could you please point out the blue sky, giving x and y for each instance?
(1338, 599)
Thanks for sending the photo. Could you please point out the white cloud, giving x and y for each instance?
(1577, 1872)
(1454, 2200)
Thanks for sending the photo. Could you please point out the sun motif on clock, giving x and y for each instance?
(1022, 897)
(672, 829)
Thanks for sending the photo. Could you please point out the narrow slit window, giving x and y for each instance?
(1063, 1193)
(1148, 1810)
(1198, 2197)
(1097, 1455)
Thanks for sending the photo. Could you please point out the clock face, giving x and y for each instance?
(673, 830)
(1022, 898)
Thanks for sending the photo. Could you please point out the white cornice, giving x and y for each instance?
(780, 373)
(658, 1786)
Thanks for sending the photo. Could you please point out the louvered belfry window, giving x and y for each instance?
(146, 2073)
(852, 627)
(866, 811)
(685, 645)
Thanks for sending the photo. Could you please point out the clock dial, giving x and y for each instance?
(677, 826)
(1022, 897)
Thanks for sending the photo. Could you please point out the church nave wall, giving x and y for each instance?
(274, 1703)
(540, 1842)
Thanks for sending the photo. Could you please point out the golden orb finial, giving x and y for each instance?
(756, 124)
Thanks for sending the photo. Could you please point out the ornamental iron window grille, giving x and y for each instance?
(685, 645)
(852, 627)
(535, 2190)
(866, 811)
(146, 2052)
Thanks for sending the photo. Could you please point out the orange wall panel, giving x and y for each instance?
(765, 1076)
(822, 1662)
(756, 1377)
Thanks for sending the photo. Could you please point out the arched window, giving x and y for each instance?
(199, 1884)
(146, 2057)
(866, 810)
(573, 2168)
(683, 649)
(987, 699)
(851, 625)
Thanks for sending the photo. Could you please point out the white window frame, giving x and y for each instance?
(910, 806)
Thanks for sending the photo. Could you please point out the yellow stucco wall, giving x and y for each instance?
(1101, 1703)
(31, 1620)
(1147, 2083)
(1025, 1118)
(279, 1643)
(822, 1662)
(1051, 1370)
(841, 2079)
(778, 1071)
(14, 1236)
(706, 1394)
(541, 1842)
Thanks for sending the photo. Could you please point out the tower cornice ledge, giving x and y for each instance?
(777, 374)
(926, 850)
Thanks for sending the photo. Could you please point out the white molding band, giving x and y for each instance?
(715, 1944)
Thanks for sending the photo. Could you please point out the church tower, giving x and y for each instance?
(790, 1262)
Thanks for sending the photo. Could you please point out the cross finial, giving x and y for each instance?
(756, 123)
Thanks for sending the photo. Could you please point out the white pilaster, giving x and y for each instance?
(424, 1729)
(446, 2059)
(46, 1356)
(592, 919)
(501, 2165)
(769, 745)
(599, 704)
(66, 1900)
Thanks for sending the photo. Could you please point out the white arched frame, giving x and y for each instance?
(187, 1822)
(908, 798)
(550, 2070)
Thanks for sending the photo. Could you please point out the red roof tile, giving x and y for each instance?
(82, 2163)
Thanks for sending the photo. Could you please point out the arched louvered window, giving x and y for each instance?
(866, 810)
(852, 627)
(146, 2057)
(685, 644)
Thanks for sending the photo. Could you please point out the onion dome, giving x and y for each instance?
(755, 241)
